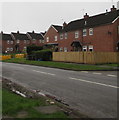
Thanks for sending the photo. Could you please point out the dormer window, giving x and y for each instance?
(84, 32)
(76, 34)
(91, 31)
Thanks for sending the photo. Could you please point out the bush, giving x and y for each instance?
(42, 55)
(32, 48)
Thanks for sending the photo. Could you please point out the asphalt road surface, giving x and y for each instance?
(93, 93)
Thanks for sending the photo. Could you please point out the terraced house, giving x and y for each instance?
(91, 33)
(17, 42)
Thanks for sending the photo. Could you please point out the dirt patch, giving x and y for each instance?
(48, 109)
(22, 114)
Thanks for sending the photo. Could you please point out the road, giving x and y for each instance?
(93, 93)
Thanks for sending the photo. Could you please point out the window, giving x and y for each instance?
(34, 40)
(25, 48)
(55, 38)
(40, 41)
(24, 41)
(61, 36)
(28, 41)
(76, 34)
(43, 41)
(18, 41)
(8, 49)
(61, 49)
(90, 47)
(11, 42)
(84, 48)
(91, 31)
(8, 42)
(84, 32)
(65, 35)
(47, 39)
(11, 49)
(65, 49)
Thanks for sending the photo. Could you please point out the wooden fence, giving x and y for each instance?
(87, 57)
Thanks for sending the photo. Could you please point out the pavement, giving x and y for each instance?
(93, 93)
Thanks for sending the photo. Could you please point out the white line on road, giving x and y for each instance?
(112, 75)
(44, 72)
(94, 82)
(97, 73)
(84, 71)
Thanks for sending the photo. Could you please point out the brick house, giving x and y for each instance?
(52, 36)
(36, 38)
(96, 33)
(6, 43)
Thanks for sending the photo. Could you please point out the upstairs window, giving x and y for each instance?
(61, 36)
(34, 40)
(84, 32)
(18, 41)
(76, 34)
(91, 31)
(65, 35)
(24, 41)
(8, 41)
(47, 39)
(12, 42)
(55, 37)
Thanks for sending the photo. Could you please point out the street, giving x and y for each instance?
(93, 93)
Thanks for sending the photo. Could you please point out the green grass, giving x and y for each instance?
(13, 104)
(62, 65)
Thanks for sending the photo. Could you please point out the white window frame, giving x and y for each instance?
(65, 49)
(25, 47)
(65, 35)
(25, 41)
(18, 41)
(8, 41)
(61, 49)
(85, 31)
(85, 48)
(8, 49)
(11, 49)
(12, 41)
(77, 34)
(28, 41)
(47, 39)
(91, 31)
(61, 36)
(90, 47)
(55, 37)
(34, 40)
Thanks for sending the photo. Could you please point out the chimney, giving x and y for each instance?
(17, 32)
(1, 32)
(86, 16)
(64, 25)
(113, 8)
(33, 31)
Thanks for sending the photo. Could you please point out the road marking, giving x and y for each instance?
(112, 75)
(97, 73)
(84, 71)
(94, 82)
(44, 72)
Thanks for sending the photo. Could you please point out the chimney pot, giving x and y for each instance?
(86, 16)
(113, 8)
(18, 32)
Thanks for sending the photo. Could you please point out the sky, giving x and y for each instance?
(38, 16)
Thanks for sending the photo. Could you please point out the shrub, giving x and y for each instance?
(42, 55)
(32, 48)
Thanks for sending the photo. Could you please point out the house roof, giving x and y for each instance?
(5, 36)
(36, 36)
(57, 27)
(20, 36)
(101, 19)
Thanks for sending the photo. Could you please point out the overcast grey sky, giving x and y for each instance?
(38, 16)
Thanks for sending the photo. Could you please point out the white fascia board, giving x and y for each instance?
(115, 20)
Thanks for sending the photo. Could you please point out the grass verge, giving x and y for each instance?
(13, 104)
(60, 65)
